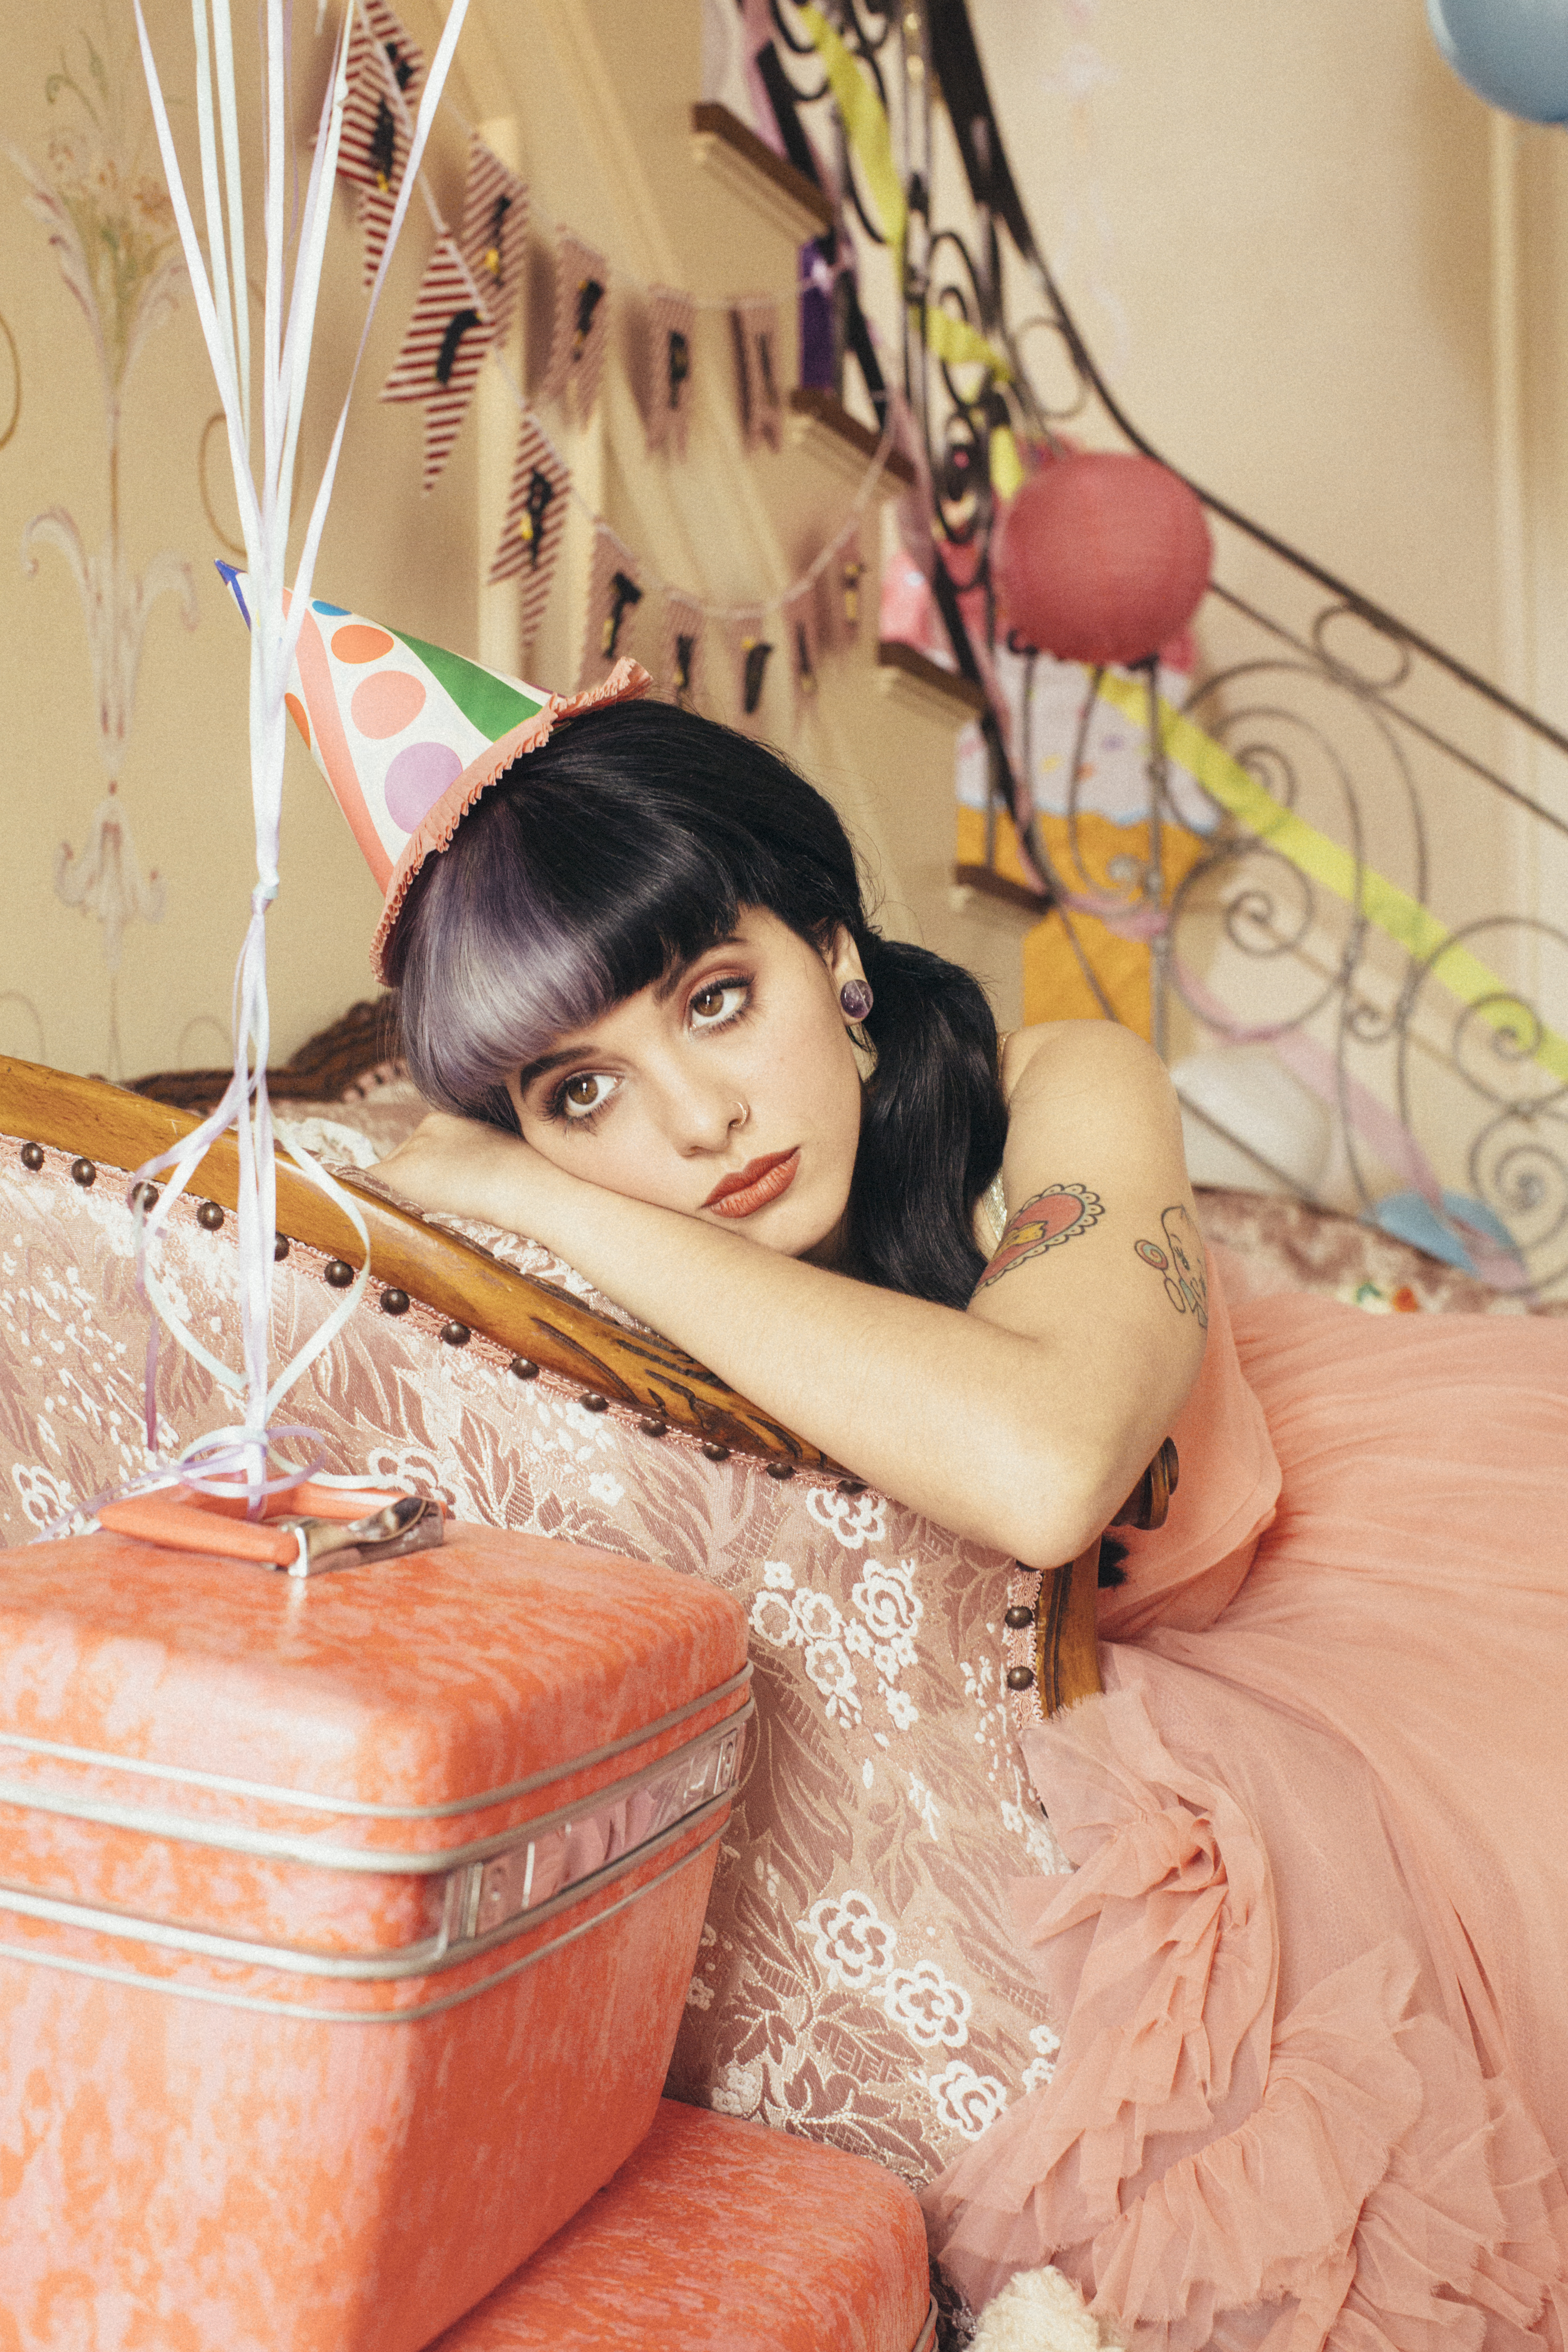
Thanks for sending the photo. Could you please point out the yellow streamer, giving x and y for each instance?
(865, 123)
(952, 339)
(1007, 466)
(948, 337)
(1395, 912)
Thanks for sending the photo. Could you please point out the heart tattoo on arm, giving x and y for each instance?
(1056, 1216)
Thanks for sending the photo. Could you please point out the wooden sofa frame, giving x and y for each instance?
(537, 1323)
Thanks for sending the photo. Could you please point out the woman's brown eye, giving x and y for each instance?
(706, 1000)
(583, 1092)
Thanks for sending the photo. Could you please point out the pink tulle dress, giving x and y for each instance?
(1312, 1963)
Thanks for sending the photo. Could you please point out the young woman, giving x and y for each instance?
(1314, 2083)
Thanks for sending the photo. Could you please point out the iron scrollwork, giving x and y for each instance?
(1436, 1035)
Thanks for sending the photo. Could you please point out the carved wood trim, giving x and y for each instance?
(1067, 1652)
(121, 1130)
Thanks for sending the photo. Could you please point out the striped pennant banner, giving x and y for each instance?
(671, 346)
(443, 346)
(843, 594)
(535, 522)
(615, 592)
(681, 668)
(386, 73)
(754, 325)
(581, 333)
(494, 235)
(803, 637)
(752, 652)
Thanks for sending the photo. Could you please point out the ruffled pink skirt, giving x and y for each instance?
(1311, 1967)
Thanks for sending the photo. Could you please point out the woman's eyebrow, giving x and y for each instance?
(531, 1070)
(675, 977)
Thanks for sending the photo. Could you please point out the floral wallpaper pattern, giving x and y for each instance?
(110, 227)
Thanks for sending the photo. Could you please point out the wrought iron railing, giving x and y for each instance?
(1345, 921)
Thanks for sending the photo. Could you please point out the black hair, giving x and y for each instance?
(625, 846)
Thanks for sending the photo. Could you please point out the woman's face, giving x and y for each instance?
(728, 1091)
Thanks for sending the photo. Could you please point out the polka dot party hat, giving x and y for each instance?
(409, 735)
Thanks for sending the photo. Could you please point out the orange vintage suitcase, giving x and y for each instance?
(719, 2236)
(345, 1924)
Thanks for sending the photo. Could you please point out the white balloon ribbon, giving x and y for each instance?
(222, 298)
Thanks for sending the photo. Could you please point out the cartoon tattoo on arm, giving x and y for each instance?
(1181, 1262)
(1053, 1216)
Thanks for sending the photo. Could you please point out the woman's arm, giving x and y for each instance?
(1023, 1422)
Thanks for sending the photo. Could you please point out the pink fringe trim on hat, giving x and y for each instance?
(437, 828)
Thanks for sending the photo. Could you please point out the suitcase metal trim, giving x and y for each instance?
(379, 1862)
(485, 1903)
(306, 1800)
(177, 1988)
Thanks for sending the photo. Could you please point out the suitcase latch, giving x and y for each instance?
(332, 1533)
(409, 1523)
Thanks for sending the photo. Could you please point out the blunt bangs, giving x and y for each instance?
(597, 867)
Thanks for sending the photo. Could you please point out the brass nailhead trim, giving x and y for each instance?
(394, 1302)
(714, 1451)
(337, 1273)
(780, 1469)
(654, 1427)
(144, 1197)
(1020, 1678)
(851, 1485)
(279, 1248)
(523, 1369)
(209, 1216)
(456, 1335)
(1018, 1616)
(594, 1402)
(84, 1173)
(32, 1156)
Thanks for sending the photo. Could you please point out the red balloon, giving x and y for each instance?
(1102, 556)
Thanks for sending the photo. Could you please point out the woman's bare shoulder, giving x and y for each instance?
(1065, 1050)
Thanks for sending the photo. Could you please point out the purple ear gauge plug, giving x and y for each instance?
(855, 998)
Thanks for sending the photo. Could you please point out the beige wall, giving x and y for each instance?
(1273, 223)
(1289, 209)
(184, 782)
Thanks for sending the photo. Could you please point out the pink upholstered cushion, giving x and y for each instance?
(719, 2237)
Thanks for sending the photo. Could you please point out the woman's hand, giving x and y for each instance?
(464, 1168)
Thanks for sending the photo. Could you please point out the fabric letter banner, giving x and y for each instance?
(494, 237)
(386, 74)
(844, 590)
(667, 400)
(680, 665)
(535, 521)
(754, 326)
(443, 347)
(581, 332)
(614, 595)
(754, 651)
(802, 639)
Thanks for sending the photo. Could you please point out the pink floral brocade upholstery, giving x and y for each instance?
(857, 1980)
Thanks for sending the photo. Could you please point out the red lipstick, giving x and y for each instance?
(754, 1185)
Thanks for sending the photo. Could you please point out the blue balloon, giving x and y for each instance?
(1513, 53)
